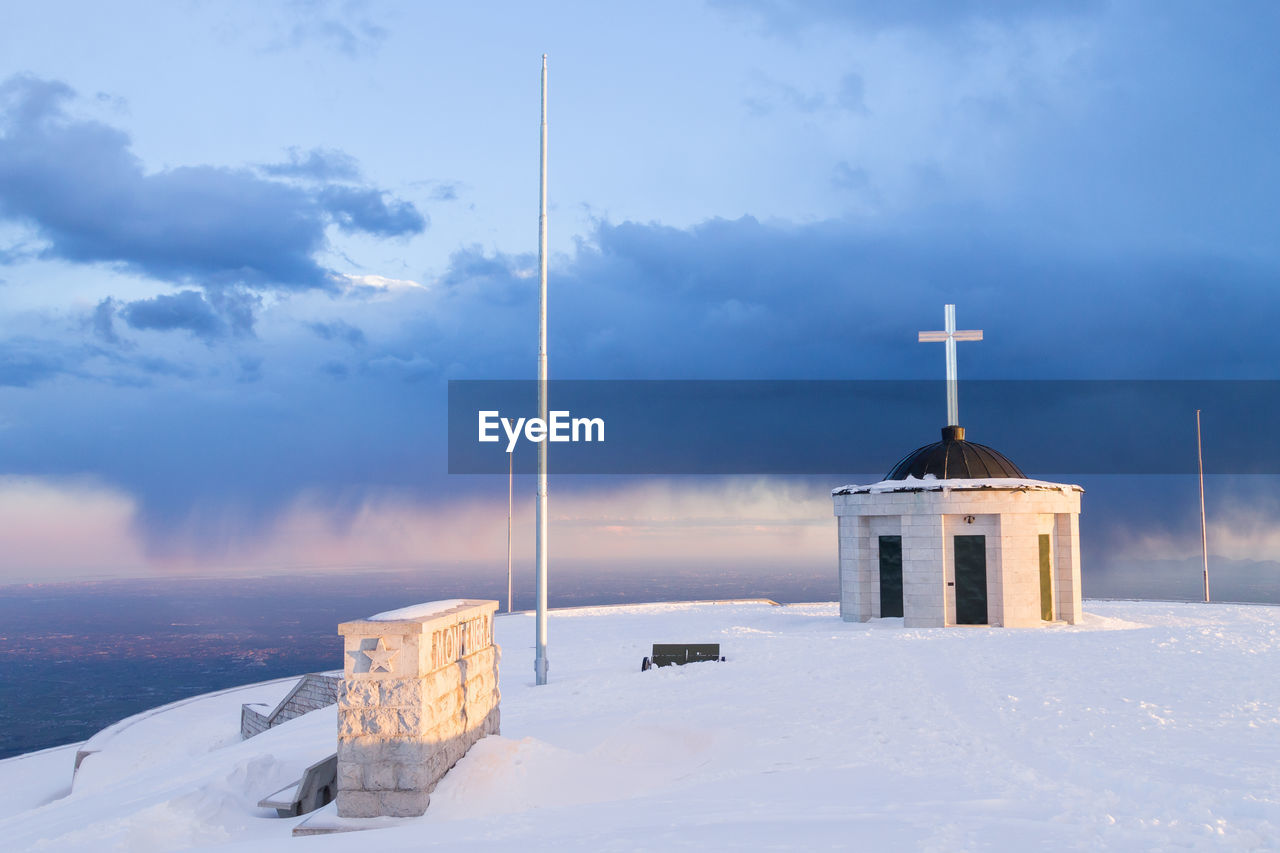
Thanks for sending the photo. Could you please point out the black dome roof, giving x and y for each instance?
(953, 458)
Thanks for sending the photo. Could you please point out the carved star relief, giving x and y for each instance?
(380, 657)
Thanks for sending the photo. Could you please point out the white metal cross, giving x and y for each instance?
(950, 335)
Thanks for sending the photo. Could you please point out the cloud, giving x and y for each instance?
(103, 321)
(186, 310)
(849, 96)
(318, 164)
(852, 93)
(208, 463)
(371, 211)
(342, 25)
(16, 254)
(377, 285)
(847, 177)
(774, 95)
(78, 184)
(786, 16)
(237, 306)
(338, 330)
(39, 513)
(335, 369)
(837, 299)
(444, 192)
(211, 316)
(158, 366)
(770, 521)
(29, 361)
(250, 370)
(25, 362)
(1099, 200)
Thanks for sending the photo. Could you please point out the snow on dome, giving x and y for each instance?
(930, 483)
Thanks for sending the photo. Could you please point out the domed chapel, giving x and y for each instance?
(956, 534)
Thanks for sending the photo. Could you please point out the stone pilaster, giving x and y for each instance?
(1067, 568)
(923, 580)
(856, 576)
(419, 687)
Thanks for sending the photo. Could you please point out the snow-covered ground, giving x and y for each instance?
(1149, 727)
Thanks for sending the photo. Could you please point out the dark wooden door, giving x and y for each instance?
(1046, 578)
(971, 580)
(890, 576)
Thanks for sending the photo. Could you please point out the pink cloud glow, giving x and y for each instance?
(67, 530)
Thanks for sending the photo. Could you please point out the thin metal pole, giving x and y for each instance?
(1204, 532)
(511, 470)
(540, 655)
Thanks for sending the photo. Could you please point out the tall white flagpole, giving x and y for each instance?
(1204, 533)
(511, 480)
(540, 657)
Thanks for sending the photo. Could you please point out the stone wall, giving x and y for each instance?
(252, 721)
(419, 687)
(313, 691)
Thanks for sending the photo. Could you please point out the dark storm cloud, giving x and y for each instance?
(742, 298)
(724, 299)
(78, 184)
(1128, 236)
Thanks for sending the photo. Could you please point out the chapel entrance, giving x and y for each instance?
(971, 580)
(890, 576)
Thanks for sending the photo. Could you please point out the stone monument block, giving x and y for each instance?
(420, 686)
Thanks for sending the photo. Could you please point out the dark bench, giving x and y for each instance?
(678, 654)
(316, 788)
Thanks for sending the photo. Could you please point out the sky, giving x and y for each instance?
(244, 246)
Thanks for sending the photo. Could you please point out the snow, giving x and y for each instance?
(178, 729)
(930, 483)
(285, 796)
(418, 611)
(1149, 726)
(32, 780)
